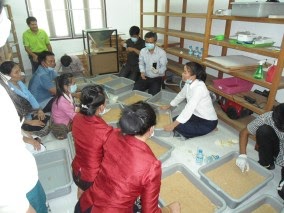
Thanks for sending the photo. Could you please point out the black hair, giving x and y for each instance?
(151, 35)
(92, 97)
(137, 118)
(30, 19)
(42, 56)
(278, 115)
(61, 81)
(7, 66)
(66, 60)
(197, 70)
(134, 30)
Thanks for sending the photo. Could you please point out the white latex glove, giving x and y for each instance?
(155, 70)
(242, 162)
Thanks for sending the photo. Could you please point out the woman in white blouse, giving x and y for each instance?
(198, 116)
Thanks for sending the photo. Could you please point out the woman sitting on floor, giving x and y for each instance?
(36, 123)
(63, 108)
(198, 116)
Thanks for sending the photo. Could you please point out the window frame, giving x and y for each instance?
(69, 18)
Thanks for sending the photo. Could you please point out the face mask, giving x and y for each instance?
(50, 68)
(104, 111)
(152, 134)
(149, 46)
(188, 81)
(73, 88)
(5, 26)
(134, 40)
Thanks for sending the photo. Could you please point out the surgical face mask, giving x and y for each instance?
(188, 81)
(5, 27)
(73, 88)
(104, 111)
(134, 39)
(152, 134)
(50, 68)
(149, 46)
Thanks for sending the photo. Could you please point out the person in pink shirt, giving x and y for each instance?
(63, 108)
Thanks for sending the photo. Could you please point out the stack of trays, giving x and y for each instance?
(161, 150)
(162, 98)
(180, 184)
(113, 115)
(102, 79)
(224, 177)
(164, 117)
(119, 85)
(265, 203)
(132, 97)
(54, 172)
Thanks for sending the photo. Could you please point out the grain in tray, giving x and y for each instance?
(177, 187)
(156, 148)
(133, 99)
(103, 80)
(234, 182)
(163, 119)
(112, 116)
(265, 208)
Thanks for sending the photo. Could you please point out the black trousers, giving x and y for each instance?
(268, 145)
(152, 84)
(130, 71)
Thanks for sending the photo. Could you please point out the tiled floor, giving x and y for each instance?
(183, 153)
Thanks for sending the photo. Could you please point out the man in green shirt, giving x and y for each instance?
(35, 41)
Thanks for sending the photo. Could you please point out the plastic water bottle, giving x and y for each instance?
(190, 50)
(196, 52)
(200, 53)
(199, 157)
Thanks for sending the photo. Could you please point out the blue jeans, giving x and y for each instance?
(196, 126)
(37, 198)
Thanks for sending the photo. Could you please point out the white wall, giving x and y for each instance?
(116, 18)
(125, 13)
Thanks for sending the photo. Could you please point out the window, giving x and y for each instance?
(67, 18)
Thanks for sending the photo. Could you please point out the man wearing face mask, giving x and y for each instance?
(152, 64)
(42, 84)
(133, 45)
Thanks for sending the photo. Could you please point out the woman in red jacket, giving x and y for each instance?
(129, 168)
(90, 132)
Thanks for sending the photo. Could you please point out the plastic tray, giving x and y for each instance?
(232, 85)
(143, 96)
(232, 202)
(54, 172)
(257, 9)
(119, 85)
(166, 154)
(102, 79)
(114, 122)
(71, 145)
(162, 98)
(159, 131)
(263, 199)
(211, 195)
